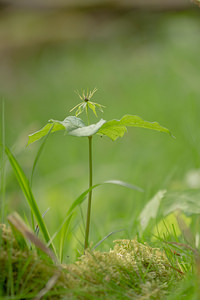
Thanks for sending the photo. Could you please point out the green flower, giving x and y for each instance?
(87, 103)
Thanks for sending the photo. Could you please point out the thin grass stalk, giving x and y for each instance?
(3, 163)
(39, 152)
(64, 232)
(87, 230)
(25, 187)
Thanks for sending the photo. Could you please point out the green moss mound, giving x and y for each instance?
(23, 272)
(130, 271)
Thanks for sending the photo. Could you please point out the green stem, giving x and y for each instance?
(3, 164)
(87, 229)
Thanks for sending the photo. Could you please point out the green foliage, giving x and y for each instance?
(2, 164)
(24, 273)
(81, 198)
(113, 129)
(131, 270)
(169, 91)
(116, 128)
(26, 189)
(151, 209)
(186, 201)
(65, 223)
(38, 154)
(72, 125)
(76, 127)
(44, 131)
(164, 203)
(18, 224)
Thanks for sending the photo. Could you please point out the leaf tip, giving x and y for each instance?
(29, 141)
(173, 136)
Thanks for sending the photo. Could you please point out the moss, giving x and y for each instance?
(130, 266)
(130, 270)
(23, 271)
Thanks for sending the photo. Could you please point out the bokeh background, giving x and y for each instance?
(143, 56)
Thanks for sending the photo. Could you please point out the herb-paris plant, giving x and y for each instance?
(76, 127)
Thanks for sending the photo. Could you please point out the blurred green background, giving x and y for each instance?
(144, 59)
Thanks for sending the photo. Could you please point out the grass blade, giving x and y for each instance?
(50, 283)
(39, 152)
(37, 228)
(82, 197)
(105, 237)
(19, 224)
(124, 184)
(25, 187)
(35, 164)
(3, 163)
(64, 231)
(69, 213)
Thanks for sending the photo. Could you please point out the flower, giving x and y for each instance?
(87, 103)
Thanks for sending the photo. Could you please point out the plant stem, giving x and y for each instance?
(87, 229)
(3, 164)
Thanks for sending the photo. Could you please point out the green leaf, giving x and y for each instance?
(113, 129)
(25, 187)
(172, 224)
(87, 130)
(186, 201)
(166, 203)
(72, 125)
(44, 131)
(151, 209)
(69, 124)
(116, 128)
